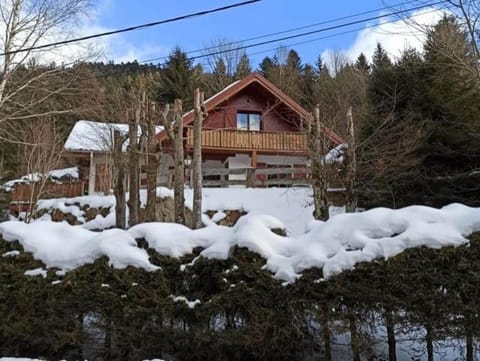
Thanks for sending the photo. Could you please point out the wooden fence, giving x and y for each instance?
(23, 192)
(255, 177)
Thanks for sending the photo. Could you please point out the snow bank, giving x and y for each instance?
(67, 247)
(278, 202)
(92, 201)
(334, 246)
(75, 206)
(281, 203)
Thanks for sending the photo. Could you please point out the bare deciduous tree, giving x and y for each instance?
(152, 159)
(119, 185)
(318, 147)
(200, 115)
(350, 165)
(42, 152)
(26, 24)
(173, 124)
(133, 168)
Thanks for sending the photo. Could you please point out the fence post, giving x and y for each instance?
(250, 177)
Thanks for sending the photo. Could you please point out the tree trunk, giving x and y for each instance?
(429, 340)
(199, 108)
(392, 344)
(178, 192)
(468, 339)
(152, 160)
(326, 334)
(317, 149)
(119, 188)
(354, 341)
(350, 165)
(133, 170)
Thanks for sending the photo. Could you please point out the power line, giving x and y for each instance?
(132, 28)
(342, 33)
(243, 47)
(299, 28)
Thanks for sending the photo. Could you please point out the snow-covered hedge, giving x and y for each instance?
(333, 246)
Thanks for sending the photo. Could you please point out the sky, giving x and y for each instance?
(264, 17)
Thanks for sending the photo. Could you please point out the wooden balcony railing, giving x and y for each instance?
(250, 140)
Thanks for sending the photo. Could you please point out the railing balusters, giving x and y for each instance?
(251, 140)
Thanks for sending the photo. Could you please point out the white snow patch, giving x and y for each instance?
(335, 155)
(36, 272)
(11, 254)
(53, 175)
(190, 304)
(217, 217)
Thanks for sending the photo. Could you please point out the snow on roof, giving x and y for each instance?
(333, 246)
(96, 136)
(336, 154)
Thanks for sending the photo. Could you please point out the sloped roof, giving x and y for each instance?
(237, 86)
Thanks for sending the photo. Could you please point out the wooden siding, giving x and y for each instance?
(22, 192)
(288, 142)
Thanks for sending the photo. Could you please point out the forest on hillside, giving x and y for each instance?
(417, 118)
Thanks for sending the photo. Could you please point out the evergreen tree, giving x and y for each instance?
(309, 87)
(453, 151)
(243, 67)
(179, 79)
(361, 63)
(266, 66)
(381, 88)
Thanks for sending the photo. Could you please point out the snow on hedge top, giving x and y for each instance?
(336, 245)
(67, 247)
(96, 136)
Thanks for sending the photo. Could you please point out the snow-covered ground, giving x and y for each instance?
(336, 245)
(292, 206)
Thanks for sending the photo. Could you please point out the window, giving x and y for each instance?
(248, 121)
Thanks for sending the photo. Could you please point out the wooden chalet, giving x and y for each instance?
(252, 136)
(252, 129)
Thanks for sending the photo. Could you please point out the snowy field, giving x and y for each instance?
(292, 206)
(333, 246)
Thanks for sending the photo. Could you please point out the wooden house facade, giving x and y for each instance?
(252, 128)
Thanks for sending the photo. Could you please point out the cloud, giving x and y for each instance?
(394, 35)
(114, 47)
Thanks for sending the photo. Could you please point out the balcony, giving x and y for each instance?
(234, 139)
